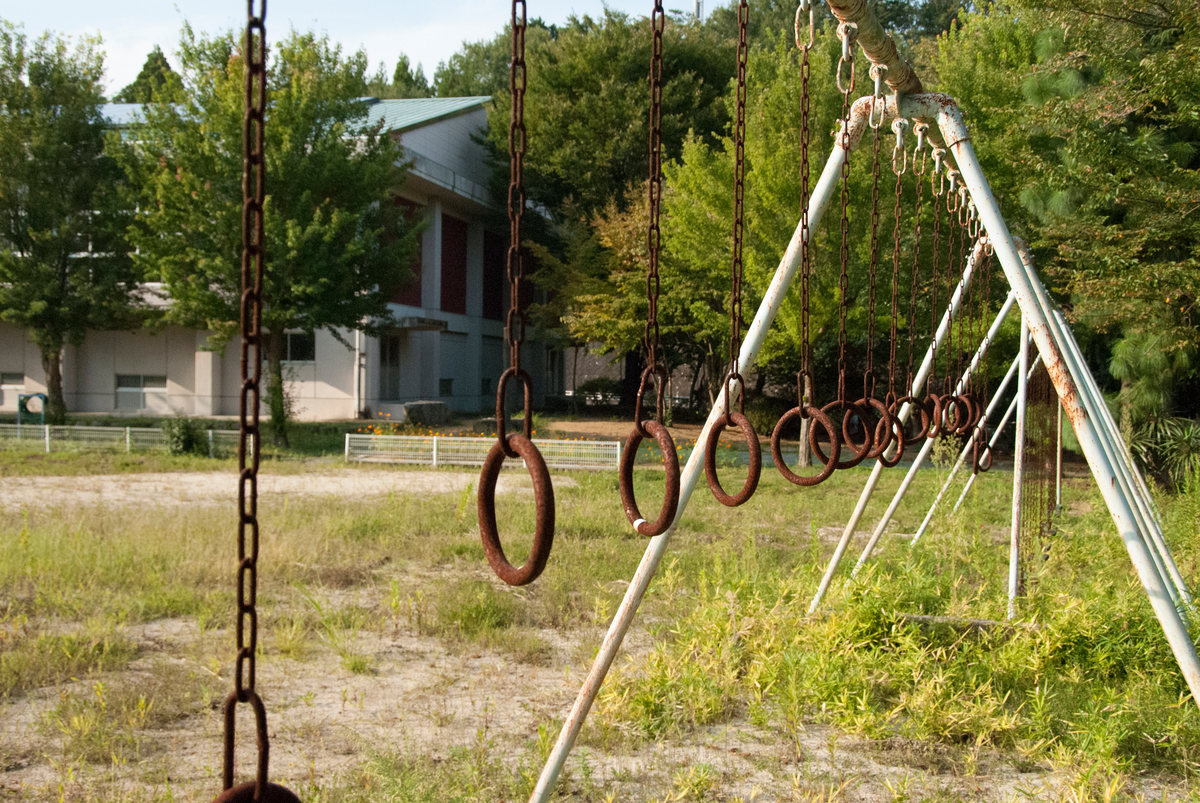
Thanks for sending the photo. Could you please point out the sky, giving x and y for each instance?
(428, 31)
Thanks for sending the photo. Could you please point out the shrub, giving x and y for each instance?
(184, 436)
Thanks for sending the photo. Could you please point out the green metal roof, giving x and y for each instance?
(401, 115)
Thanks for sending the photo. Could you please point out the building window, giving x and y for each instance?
(300, 347)
(140, 392)
(14, 380)
(389, 367)
(446, 387)
(485, 387)
(495, 266)
(454, 264)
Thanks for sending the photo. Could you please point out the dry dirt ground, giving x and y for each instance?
(211, 487)
(425, 696)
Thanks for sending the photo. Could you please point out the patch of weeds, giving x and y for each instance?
(291, 636)
(695, 783)
(474, 610)
(339, 630)
(105, 722)
(30, 661)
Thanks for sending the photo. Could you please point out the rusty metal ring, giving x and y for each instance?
(896, 435)
(543, 497)
(879, 440)
(710, 461)
(661, 375)
(835, 441)
(625, 480)
(982, 457)
(936, 423)
(859, 454)
(915, 404)
(260, 790)
(964, 418)
(502, 416)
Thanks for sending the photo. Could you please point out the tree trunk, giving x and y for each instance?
(56, 407)
(1126, 410)
(277, 399)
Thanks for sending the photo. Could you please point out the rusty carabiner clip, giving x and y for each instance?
(521, 446)
(754, 468)
(806, 5)
(259, 790)
(666, 445)
(848, 33)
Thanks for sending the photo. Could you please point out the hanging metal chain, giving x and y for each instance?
(951, 261)
(253, 196)
(516, 445)
(899, 167)
(878, 71)
(515, 325)
(652, 429)
(738, 419)
(249, 452)
(805, 376)
(936, 186)
(846, 32)
(919, 162)
(653, 236)
(739, 177)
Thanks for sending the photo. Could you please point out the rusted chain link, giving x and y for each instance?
(731, 418)
(655, 429)
(892, 399)
(516, 445)
(260, 790)
(843, 406)
(805, 410)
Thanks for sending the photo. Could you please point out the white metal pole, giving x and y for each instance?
(962, 458)
(1037, 307)
(1014, 540)
(47, 426)
(435, 451)
(347, 458)
(928, 445)
(1058, 462)
(129, 441)
(755, 335)
(1012, 406)
(916, 390)
(1128, 475)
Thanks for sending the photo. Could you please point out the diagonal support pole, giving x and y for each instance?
(1012, 406)
(919, 378)
(1077, 389)
(927, 446)
(1014, 535)
(755, 336)
(962, 457)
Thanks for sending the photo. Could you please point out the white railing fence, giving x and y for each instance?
(128, 439)
(436, 451)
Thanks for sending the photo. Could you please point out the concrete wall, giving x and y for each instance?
(449, 143)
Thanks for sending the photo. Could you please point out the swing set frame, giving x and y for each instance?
(1043, 325)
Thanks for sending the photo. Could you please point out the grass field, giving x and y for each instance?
(396, 668)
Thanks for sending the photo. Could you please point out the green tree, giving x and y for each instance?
(406, 82)
(63, 264)
(156, 79)
(481, 68)
(588, 100)
(1115, 176)
(337, 246)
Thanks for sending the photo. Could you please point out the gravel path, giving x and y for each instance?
(211, 487)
